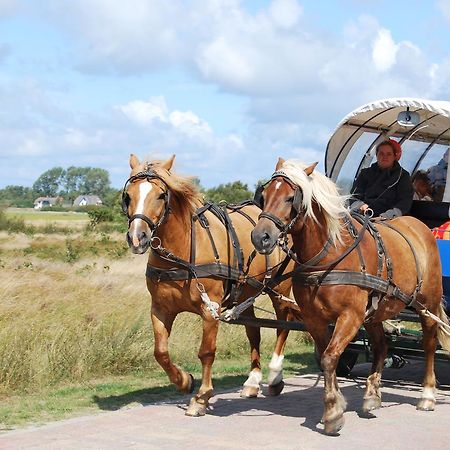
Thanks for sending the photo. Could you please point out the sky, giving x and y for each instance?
(227, 86)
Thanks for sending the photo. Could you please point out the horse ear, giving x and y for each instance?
(168, 164)
(280, 162)
(309, 170)
(134, 161)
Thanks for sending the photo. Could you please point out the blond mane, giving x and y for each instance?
(185, 195)
(319, 189)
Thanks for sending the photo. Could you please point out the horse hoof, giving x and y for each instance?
(275, 389)
(188, 384)
(249, 392)
(371, 403)
(191, 384)
(195, 409)
(426, 404)
(332, 427)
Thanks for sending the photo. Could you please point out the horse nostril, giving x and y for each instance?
(265, 238)
(142, 235)
(128, 237)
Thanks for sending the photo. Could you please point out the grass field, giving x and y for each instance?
(75, 334)
(31, 216)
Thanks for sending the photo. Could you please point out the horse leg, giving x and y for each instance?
(275, 379)
(162, 326)
(372, 396)
(252, 384)
(429, 331)
(200, 402)
(346, 327)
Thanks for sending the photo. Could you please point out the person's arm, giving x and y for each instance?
(358, 191)
(404, 198)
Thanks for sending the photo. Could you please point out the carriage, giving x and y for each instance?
(422, 127)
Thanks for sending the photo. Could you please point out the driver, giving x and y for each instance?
(385, 187)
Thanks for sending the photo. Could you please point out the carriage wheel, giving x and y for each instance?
(346, 362)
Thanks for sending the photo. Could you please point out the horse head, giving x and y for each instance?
(281, 202)
(145, 201)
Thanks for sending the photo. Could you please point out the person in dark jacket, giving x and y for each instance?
(385, 187)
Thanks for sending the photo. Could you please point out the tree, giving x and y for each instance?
(18, 196)
(85, 181)
(49, 183)
(231, 193)
(95, 181)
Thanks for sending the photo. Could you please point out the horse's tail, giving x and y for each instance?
(443, 333)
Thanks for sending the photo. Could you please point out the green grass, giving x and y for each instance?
(31, 215)
(113, 393)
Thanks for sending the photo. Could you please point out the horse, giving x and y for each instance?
(351, 271)
(201, 258)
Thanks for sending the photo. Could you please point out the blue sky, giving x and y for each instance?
(226, 85)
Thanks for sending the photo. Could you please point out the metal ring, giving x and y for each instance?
(369, 212)
(152, 240)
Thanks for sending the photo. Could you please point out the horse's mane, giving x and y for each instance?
(319, 189)
(184, 193)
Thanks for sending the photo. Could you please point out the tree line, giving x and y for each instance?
(73, 181)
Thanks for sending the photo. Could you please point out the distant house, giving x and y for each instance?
(43, 202)
(86, 200)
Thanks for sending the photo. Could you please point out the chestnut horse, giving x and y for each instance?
(344, 266)
(193, 263)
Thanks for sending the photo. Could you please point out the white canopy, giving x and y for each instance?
(380, 117)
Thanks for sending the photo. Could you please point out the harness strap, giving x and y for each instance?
(354, 233)
(310, 264)
(416, 259)
(218, 270)
(356, 279)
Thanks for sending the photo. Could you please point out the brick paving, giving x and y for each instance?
(290, 421)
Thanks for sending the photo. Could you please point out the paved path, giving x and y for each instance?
(286, 422)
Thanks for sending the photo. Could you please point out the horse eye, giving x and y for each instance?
(162, 196)
(290, 199)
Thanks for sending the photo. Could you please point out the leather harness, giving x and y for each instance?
(310, 273)
(235, 275)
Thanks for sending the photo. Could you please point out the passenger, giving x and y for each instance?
(385, 187)
(422, 187)
(438, 176)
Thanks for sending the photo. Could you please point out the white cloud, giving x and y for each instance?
(130, 37)
(189, 123)
(384, 51)
(144, 113)
(285, 13)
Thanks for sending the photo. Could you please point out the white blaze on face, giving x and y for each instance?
(144, 189)
(277, 185)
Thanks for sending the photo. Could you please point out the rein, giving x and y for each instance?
(310, 273)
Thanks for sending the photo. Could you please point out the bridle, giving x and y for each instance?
(296, 204)
(149, 175)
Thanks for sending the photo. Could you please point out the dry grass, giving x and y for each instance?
(68, 321)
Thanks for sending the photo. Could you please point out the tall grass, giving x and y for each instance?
(75, 319)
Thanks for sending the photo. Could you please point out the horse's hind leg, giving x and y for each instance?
(429, 331)
(252, 384)
(372, 396)
(200, 402)
(162, 326)
(275, 379)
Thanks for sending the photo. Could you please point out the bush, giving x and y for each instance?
(99, 215)
(14, 225)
